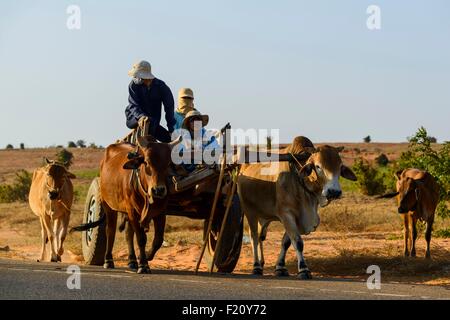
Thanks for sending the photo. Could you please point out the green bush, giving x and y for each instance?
(373, 180)
(382, 160)
(19, 190)
(421, 155)
(65, 157)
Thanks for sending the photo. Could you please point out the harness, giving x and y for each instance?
(136, 184)
(295, 166)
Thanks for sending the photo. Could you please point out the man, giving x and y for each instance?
(195, 136)
(185, 105)
(147, 94)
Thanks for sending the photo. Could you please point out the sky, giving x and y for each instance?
(308, 68)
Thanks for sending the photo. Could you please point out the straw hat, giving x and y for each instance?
(141, 70)
(186, 93)
(195, 114)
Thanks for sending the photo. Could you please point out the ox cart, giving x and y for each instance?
(208, 194)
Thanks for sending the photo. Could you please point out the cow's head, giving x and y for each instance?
(323, 170)
(155, 157)
(56, 177)
(408, 193)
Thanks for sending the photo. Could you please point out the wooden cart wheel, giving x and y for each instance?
(230, 250)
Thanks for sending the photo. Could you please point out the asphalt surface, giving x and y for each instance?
(29, 280)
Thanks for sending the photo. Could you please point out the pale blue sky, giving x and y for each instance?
(306, 67)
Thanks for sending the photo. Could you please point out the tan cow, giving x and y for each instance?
(50, 198)
(290, 194)
(418, 196)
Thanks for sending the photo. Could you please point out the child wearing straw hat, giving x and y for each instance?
(147, 95)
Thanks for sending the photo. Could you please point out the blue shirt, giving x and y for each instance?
(148, 101)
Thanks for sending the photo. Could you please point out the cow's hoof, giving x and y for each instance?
(54, 259)
(281, 273)
(58, 258)
(257, 272)
(144, 270)
(428, 255)
(109, 264)
(304, 275)
(133, 265)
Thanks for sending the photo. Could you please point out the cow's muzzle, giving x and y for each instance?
(333, 194)
(53, 195)
(159, 192)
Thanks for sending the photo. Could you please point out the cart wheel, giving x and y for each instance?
(230, 250)
(93, 241)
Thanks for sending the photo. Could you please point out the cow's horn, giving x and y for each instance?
(175, 142)
(47, 161)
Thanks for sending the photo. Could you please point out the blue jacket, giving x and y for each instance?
(144, 101)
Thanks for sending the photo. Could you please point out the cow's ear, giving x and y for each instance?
(306, 170)
(348, 174)
(70, 175)
(340, 149)
(398, 174)
(133, 163)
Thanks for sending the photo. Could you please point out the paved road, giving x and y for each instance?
(28, 280)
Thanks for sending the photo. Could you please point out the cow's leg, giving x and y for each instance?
(58, 225)
(263, 225)
(414, 236)
(159, 223)
(51, 237)
(253, 228)
(428, 236)
(111, 225)
(141, 241)
(129, 235)
(63, 233)
(292, 228)
(406, 234)
(280, 269)
(43, 239)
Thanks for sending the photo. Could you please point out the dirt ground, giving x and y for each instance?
(355, 232)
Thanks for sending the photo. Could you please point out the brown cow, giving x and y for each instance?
(50, 198)
(417, 196)
(290, 194)
(136, 187)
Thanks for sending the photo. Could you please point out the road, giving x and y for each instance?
(30, 280)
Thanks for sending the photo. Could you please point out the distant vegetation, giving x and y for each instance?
(65, 157)
(9, 147)
(367, 139)
(18, 191)
(71, 144)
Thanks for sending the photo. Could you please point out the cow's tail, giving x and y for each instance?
(388, 195)
(87, 226)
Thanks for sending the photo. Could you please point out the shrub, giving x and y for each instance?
(22, 146)
(81, 144)
(9, 147)
(19, 190)
(382, 160)
(65, 157)
(421, 155)
(71, 144)
(367, 139)
(370, 181)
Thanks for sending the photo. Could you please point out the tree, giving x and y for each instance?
(71, 144)
(65, 157)
(22, 146)
(81, 144)
(9, 147)
(92, 145)
(368, 139)
(382, 160)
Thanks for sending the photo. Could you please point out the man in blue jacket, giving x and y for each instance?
(147, 94)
